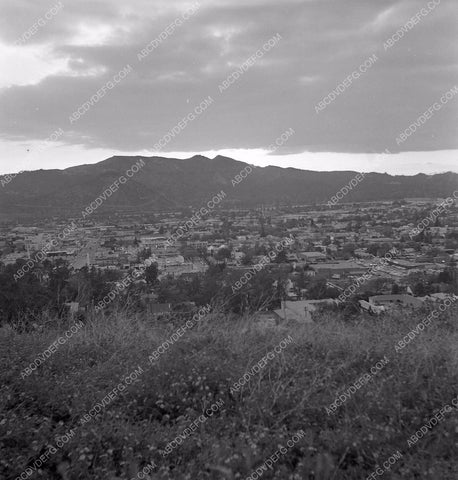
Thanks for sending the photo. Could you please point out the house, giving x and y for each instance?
(266, 319)
(158, 309)
(362, 253)
(398, 300)
(61, 254)
(312, 257)
(237, 256)
(291, 257)
(371, 308)
(342, 268)
(11, 258)
(302, 310)
(169, 260)
(73, 308)
(388, 240)
(289, 289)
(405, 264)
(155, 243)
(440, 297)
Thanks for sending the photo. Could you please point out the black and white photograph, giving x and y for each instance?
(228, 240)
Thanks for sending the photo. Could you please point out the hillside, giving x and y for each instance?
(166, 183)
(288, 394)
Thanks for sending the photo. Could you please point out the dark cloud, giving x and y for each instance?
(323, 41)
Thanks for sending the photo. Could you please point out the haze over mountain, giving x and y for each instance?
(167, 183)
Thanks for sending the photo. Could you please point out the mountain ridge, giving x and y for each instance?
(164, 183)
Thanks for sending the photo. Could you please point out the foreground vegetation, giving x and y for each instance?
(288, 394)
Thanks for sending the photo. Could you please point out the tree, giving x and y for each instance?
(444, 277)
(24, 299)
(348, 250)
(317, 289)
(58, 283)
(281, 257)
(223, 253)
(373, 249)
(419, 289)
(189, 252)
(302, 280)
(144, 254)
(110, 243)
(247, 258)
(151, 273)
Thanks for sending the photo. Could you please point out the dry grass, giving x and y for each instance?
(289, 394)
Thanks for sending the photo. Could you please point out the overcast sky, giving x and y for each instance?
(48, 72)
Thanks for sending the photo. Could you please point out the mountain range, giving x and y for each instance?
(168, 183)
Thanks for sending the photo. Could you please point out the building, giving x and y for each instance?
(302, 310)
(343, 268)
(402, 300)
(312, 257)
(157, 310)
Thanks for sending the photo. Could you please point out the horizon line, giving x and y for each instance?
(235, 159)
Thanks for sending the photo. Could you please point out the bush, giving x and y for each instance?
(288, 394)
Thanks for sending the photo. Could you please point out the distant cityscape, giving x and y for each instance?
(332, 248)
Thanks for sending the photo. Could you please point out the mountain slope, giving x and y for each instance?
(169, 183)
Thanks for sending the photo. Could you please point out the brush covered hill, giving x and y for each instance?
(167, 183)
(160, 421)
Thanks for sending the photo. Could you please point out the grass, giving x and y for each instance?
(288, 395)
